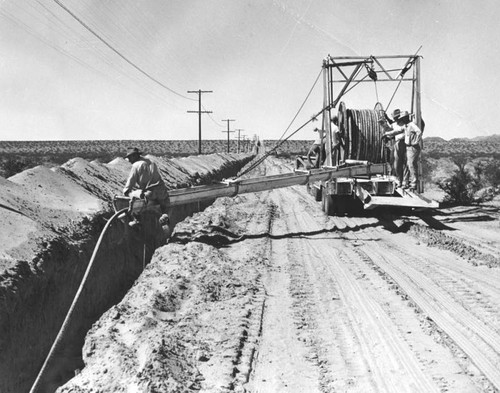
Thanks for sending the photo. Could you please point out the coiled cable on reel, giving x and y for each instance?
(362, 134)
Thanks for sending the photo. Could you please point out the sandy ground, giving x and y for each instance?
(265, 293)
(49, 217)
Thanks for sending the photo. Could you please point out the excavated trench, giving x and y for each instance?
(63, 212)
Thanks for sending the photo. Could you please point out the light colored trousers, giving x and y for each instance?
(411, 173)
(399, 160)
(158, 194)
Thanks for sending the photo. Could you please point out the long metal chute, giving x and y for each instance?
(257, 184)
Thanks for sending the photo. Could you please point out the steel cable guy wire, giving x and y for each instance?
(280, 140)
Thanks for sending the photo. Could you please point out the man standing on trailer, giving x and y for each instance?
(412, 140)
(145, 182)
(399, 149)
(336, 140)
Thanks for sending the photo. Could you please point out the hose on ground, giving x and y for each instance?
(65, 323)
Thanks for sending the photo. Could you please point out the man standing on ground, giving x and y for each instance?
(144, 181)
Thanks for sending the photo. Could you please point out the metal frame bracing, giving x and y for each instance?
(349, 68)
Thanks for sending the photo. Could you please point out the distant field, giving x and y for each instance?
(115, 148)
(97, 148)
(17, 156)
(469, 148)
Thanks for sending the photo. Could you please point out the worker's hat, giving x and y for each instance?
(131, 151)
(396, 113)
(403, 114)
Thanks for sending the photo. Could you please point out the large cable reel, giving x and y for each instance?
(361, 134)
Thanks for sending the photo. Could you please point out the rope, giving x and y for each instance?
(255, 164)
(268, 153)
(404, 70)
(301, 106)
(64, 326)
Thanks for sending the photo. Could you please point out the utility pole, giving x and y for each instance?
(239, 133)
(243, 137)
(199, 111)
(228, 120)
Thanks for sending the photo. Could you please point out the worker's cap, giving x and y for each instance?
(403, 114)
(396, 113)
(131, 151)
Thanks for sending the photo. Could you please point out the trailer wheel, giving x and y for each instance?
(342, 204)
(317, 193)
(329, 205)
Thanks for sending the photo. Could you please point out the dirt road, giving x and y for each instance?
(311, 303)
(353, 306)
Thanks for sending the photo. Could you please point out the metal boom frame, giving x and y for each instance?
(345, 63)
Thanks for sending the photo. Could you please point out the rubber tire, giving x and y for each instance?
(317, 193)
(329, 205)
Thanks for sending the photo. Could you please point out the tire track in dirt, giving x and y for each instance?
(391, 359)
(448, 303)
(335, 320)
(477, 340)
(337, 373)
(474, 287)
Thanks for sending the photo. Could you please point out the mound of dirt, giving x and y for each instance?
(435, 238)
(51, 220)
(165, 335)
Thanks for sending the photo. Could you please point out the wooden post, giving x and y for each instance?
(228, 120)
(199, 111)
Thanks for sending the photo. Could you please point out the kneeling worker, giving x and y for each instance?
(145, 182)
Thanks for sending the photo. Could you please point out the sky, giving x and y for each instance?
(260, 59)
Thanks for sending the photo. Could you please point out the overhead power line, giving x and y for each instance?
(82, 62)
(118, 53)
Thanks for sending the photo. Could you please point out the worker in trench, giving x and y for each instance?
(407, 147)
(144, 181)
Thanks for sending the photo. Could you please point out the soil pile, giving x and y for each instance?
(51, 219)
